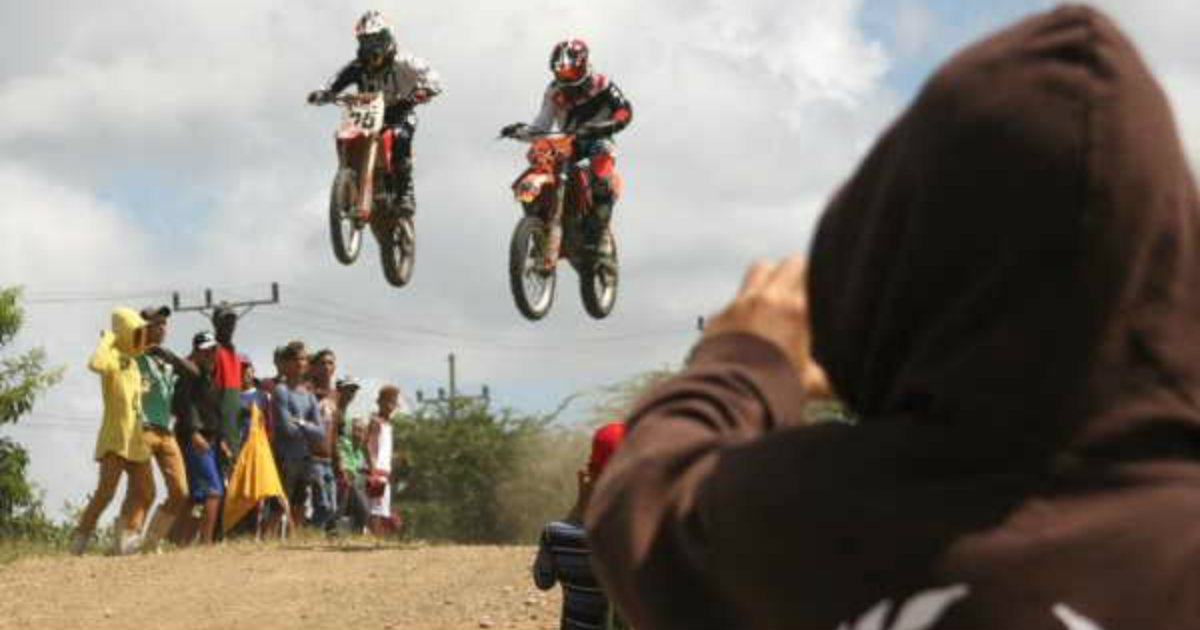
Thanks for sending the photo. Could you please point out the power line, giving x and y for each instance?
(77, 296)
(493, 339)
(407, 336)
(106, 298)
(362, 323)
(369, 328)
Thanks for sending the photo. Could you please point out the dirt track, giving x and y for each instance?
(269, 586)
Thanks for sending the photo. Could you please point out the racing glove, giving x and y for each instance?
(319, 97)
(511, 131)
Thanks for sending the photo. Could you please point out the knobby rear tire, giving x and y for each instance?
(598, 286)
(398, 252)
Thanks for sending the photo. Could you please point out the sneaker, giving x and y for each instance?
(130, 543)
(79, 544)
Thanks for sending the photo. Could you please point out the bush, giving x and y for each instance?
(483, 476)
(21, 513)
(22, 379)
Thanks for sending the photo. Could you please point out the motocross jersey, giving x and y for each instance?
(398, 81)
(600, 105)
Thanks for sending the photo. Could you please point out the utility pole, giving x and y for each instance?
(454, 398)
(208, 306)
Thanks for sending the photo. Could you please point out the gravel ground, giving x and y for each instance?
(281, 585)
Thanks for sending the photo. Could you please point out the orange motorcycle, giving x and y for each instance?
(556, 199)
(363, 193)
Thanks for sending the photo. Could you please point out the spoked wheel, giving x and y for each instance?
(598, 281)
(532, 286)
(398, 252)
(345, 231)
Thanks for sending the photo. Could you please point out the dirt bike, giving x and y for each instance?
(363, 192)
(556, 198)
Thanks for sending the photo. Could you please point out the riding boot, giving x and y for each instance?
(406, 200)
(596, 226)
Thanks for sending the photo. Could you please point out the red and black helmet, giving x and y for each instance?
(569, 62)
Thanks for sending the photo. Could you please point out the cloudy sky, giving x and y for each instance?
(148, 148)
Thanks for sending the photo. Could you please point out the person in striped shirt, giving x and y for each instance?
(563, 551)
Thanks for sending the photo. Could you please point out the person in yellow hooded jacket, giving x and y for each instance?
(119, 446)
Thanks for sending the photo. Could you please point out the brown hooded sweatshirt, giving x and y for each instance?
(1007, 294)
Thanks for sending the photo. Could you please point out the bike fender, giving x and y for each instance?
(530, 185)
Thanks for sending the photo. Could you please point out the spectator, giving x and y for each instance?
(268, 384)
(1004, 293)
(354, 464)
(252, 394)
(563, 554)
(252, 397)
(351, 445)
(379, 460)
(159, 367)
(297, 424)
(227, 379)
(119, 446)
(267, 387)
(322, 367)
(198, 430)
(254, 481)
(323, 451)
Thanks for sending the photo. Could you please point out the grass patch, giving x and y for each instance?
(12, 550)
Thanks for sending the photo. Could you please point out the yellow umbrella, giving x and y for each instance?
(254, 475)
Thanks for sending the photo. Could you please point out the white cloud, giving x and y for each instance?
(916, 27)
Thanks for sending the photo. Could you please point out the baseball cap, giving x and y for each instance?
(203, 340)
(151, 313)
(348, 382)
(222, 311)
(605, 441)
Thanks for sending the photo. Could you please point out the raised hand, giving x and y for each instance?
(773, 305)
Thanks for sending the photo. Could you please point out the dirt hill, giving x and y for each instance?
(281, 585)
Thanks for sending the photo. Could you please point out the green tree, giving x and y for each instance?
(498, 476)
(22, 378)
(453, 466)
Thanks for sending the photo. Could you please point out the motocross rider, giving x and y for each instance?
(405, 80)
(590, 106)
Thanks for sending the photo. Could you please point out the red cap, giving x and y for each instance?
(605, 441)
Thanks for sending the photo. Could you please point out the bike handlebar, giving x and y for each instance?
(351, 98)
(527, 136)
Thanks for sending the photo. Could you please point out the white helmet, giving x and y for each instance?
(376, 42)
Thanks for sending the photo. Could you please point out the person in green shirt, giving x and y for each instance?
(159, 368)
(351, 445)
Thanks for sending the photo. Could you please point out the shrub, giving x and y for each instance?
(481, 475)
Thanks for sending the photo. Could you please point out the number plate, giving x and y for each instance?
(362, 117)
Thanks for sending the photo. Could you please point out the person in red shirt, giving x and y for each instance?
(227, 380)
